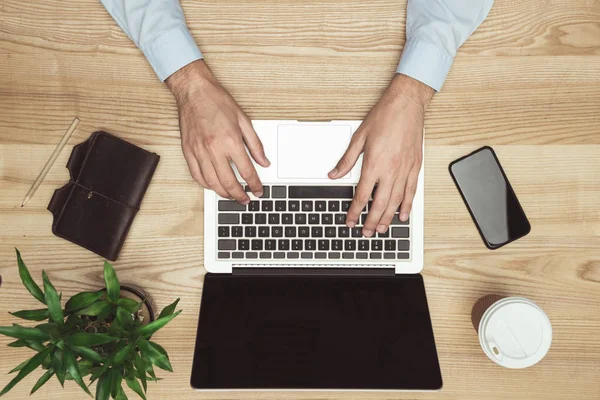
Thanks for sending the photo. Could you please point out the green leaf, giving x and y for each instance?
(32, 315)
(121, 354)
(59, 367)
(103, 388)
(83, 300)
(33, 363)
(90, 339)
(50, 329)
(73, 369)
(53, 302)
(28, 282)
(18, 367)
(152, 327)
(168, 310)
(150, 370)
(125, 318)
(113, 288)
(95, 309)
(154, 355)
(87, 353)
(129, 304)
(116, 380)
(141, 367)
(115, 327)
(85, 367)
(135, 386)
(121, 395)
(43, 379)
(21, 332)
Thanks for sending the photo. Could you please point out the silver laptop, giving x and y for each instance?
(300, 220)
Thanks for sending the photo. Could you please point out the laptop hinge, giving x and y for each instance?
(312, 271)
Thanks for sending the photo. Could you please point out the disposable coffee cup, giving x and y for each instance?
(514, 332)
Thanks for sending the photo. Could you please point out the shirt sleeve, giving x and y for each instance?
(158, 29)
(435, 29)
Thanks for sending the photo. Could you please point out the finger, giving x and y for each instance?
(210, 176)
(378, 207)
(194, 168)
(395, 199)
(409, 193)
(349, 158)
(246, 169)
(362, 194)
(229, 182)
(253, 142)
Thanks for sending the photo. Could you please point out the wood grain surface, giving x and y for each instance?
(526, 83)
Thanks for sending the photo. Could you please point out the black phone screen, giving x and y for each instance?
(489, 198)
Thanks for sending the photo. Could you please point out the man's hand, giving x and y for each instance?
(214, 132)
(391, 137)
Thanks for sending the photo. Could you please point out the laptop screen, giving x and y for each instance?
(315, 332)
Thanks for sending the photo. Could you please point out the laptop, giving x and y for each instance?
(293, 298)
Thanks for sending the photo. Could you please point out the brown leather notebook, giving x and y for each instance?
(109, 178)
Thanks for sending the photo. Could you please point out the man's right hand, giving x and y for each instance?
(215, 132)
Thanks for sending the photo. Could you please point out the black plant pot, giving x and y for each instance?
(137, 294)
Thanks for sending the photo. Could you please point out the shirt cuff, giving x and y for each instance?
(171, 51)
(425, 62)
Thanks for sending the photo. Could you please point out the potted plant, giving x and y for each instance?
(98, 334)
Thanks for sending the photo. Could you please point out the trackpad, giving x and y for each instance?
(310, 151)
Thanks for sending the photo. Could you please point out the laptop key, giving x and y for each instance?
(226, 244)
(310, 244)
(327, 219)
(375, 256)
(250, 231)
(389, 256)
(270, 244)
(363, 218)
(296, 244)
(265, 254)
(363, 245)
(267, 205)
(223, 254)
(303, 231)
(319, 206)
(223, 231)
(334, 255)
(229, 219)
(343, 231)
(247, 219)
(396, 220)
(329, 231)
(316, 231)
(237, 254)
(237, 231)
(320, 192)
(263, 231)
(280, 205)
(313, 219)
(290, 231)
(260, 219)
(348, 256)
(323, 244)
(273, 219)
(287, 219)
(384, 234)
(283, 244)
(307, 206)
(403, 256)
(266, 191)
(390, 245)
(230, 205)
(254, 205)
(349, 245)
(294, 205)
(300, 219)
(306, 255)
(279, 192)
(340, 219)
(320, 255)
(279, 254)
(251, 254)
(257, 244)
(293, 254)
(377, 245)
(346, 205)
(356, 232)
(333, 205)
(336, 245)
(362, 256)
(400, 232)
(277, 231)
(403, 245)
(243, 244)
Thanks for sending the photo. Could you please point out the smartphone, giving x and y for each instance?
(489, 197)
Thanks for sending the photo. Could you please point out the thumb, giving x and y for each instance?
(349, 158)
(253, 143)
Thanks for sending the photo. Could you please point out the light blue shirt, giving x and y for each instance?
(435, 29)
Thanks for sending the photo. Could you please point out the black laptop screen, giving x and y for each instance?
(325, 332)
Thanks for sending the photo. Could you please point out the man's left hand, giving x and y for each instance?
(391, 137)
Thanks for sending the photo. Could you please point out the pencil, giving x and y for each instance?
(51, 161)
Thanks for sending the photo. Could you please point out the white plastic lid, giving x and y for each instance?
(515, 333)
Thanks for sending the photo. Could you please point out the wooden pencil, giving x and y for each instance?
(51, 161)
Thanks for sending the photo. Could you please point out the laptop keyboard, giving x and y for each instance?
(304, 222)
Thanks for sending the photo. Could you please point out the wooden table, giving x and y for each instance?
(527, 83)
